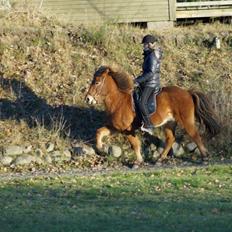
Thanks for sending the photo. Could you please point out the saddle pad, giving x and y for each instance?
(151, 101)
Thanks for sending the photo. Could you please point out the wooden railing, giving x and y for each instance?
(203, 9)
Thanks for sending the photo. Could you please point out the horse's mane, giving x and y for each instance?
(122, 79)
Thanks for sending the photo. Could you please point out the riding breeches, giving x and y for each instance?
(143, 103)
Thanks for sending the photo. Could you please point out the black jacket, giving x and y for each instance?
(151, 69)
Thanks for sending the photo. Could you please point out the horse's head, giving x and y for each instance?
(98, 88)
(107, 81)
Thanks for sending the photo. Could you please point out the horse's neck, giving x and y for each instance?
(118, 101)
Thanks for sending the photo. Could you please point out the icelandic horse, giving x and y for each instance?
(175, 106)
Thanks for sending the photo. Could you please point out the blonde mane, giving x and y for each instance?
(122, 79)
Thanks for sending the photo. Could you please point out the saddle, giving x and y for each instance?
(150, 103)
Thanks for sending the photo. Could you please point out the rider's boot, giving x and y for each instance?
(147, 126)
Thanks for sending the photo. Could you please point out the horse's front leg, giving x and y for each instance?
(101, 133)
(136, 144)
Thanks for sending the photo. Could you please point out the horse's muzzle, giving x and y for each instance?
(90, 100)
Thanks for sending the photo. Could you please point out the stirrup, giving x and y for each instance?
(148, 130)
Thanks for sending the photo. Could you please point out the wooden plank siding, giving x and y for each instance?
(93, 11)
(153, 12)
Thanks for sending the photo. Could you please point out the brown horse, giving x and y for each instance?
(174, 106)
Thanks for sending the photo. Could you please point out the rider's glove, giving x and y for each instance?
(136, 83)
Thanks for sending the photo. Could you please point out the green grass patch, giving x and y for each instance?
(166, 200)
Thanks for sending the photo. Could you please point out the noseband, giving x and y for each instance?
(97, 94)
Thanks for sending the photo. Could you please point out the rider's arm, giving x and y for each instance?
(149, 71)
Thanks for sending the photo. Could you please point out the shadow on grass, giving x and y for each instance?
(72, 121)
(37, 208)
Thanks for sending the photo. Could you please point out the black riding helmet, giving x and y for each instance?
(149, 39)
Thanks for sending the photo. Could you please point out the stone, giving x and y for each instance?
(65, 158)
(48, 159)
(24, 160)
(179, 152)
(2, 150)
(27, 149)
(56, 159)
(39, 153)
(67, 154)
(197, 151)
(59, 159)
(191, 147)
(185, 163)
(124, 146)
(158, 164)
(217, 42)
(83, 150)
(13, 150)
(56, 154)
(6, 160)
(89, 150)
(115, 151)
(50, 147)
(153, 147)
(155, 156)
(175, 147)
(78, 151)
(37, 160)
(160, 150)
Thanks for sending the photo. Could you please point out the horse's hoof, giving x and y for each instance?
(136, 165)
(102, 149)
(98, 148)
(162, 160)
(205, 159)
(205, 163)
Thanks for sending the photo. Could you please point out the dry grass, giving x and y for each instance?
(45, 68)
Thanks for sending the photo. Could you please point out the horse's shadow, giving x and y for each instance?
(71, 121)
(76, 123)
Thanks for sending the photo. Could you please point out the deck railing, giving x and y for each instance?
(201, 9)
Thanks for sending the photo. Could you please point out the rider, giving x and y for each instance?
(150, 78)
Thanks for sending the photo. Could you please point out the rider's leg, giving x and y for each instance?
(144, 107)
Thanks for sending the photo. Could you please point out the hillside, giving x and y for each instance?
(46, 66)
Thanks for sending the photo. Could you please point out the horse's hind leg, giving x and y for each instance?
(101, 133)
(169, 131)
(192, 131)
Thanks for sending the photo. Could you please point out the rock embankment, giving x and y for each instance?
(16, 155)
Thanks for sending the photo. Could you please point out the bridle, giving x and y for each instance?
(99, 90)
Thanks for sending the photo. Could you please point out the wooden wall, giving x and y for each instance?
(92, 11)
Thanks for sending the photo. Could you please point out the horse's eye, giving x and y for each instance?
(97, 83)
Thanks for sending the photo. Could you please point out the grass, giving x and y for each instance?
(192, 199)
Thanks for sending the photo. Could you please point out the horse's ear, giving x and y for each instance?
(107, 71)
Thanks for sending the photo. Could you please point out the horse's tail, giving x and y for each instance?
(205, 113)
